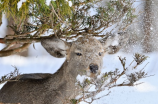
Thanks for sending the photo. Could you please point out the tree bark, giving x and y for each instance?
(147, 27)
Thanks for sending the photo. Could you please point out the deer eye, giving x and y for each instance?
(78, 54)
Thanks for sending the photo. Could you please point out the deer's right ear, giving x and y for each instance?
(55, 47)
(112, 43)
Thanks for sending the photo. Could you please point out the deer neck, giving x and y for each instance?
(64, 80)
(68, 72)
(64, 74)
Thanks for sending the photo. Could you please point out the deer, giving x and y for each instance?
(83, 57)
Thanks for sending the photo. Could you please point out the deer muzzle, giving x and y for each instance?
(93, 68)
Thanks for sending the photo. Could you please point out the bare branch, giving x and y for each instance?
(14, 51)
(9, 76)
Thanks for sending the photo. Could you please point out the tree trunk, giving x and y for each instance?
(147, 26)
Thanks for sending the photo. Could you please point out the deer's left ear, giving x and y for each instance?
(112, 43)
(55, 47)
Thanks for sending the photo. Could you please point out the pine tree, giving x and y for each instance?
(65, 21)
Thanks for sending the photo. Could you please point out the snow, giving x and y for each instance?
(19, 4)
(146, 87)
(81, 78)
(70, 3)
(3, 26)
(48, 2)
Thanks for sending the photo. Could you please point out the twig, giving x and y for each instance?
(102, 96)
(24, 39)
(131, 63)
(14, 51)
(8, 46)
(56, 13)
(145, 66)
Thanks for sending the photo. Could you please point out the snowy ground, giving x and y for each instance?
(146, 93)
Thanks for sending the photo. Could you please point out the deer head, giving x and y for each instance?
(85, 54)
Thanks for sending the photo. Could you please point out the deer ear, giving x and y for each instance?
(55, 47)
(112, 43)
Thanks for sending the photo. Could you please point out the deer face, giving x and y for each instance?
(83, 55)
(86, 55)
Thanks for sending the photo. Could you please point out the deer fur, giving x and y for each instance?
(83, 56)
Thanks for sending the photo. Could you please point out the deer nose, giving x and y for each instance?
(93, 68)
